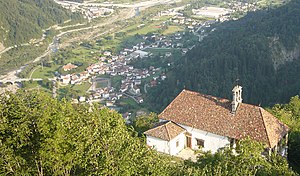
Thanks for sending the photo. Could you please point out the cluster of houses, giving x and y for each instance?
(108, 94)
(89, 11)
(191, 24)
(188, 22)
(113, 65)
(238, 6)
(75, 78)
(117, 65)
(95, 12)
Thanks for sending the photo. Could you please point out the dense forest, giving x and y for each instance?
(261, 50)
(40, 135)
(22, 20)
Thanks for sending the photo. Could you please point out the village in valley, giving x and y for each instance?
(134, 82)
(112, 77)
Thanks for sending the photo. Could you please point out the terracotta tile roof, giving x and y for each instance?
(166, 131)
(69, 66)
(214, 115)
(275, 128)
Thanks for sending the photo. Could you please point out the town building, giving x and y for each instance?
(194, 120)
(69, 67)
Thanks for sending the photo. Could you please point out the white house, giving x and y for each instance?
(167, 138)
(135, 89)
(140, 53)
(211, 123)
(65, 78)
(107, 53)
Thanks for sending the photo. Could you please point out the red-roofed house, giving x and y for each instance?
(69, 67)
(166, 138)
(213, 123)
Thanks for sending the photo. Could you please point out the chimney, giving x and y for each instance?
(236, 98)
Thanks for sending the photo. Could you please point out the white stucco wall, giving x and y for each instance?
(173, 148)
(212, 142)
(168, 147)
(158, 144)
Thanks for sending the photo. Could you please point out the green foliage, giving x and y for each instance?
(144, 122)
(17, 57)
(247, 160)
(290, 115)
(43, 136)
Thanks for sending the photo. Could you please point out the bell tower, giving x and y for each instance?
(236, 98)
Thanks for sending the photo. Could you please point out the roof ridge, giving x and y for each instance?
(264, 123)
(155, 127)
(167, 129)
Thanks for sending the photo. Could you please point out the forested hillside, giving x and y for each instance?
(261, 50)
(22, 20)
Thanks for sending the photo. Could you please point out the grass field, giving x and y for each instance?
(172, 29)
(73, 90)
(152, 26)
(81, 89)
(101, 84)
(111, 44)
(129, 105)
(45, 72)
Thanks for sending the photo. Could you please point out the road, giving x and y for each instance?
(11, 47)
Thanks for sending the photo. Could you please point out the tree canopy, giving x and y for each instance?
(247, 160)
(43, 136)
(290, 115)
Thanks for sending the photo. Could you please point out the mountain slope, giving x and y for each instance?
(261, 50)
(21, 20)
